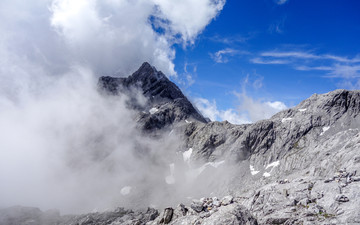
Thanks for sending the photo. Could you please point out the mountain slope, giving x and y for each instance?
(311, 142)
(301, 166)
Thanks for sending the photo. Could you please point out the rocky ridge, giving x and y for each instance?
(288, 158)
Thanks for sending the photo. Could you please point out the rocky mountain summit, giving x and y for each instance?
(164, 105)
(301, 166)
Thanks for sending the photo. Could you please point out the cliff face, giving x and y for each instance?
(299, 167)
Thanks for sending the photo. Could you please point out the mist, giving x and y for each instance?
(67, 146)
(63, 144)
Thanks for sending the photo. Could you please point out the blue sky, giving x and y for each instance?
(287, 50)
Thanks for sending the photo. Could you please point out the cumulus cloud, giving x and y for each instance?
(210, 110)
(187, 18)
(258, 109)
(109, 36)
(250, 110)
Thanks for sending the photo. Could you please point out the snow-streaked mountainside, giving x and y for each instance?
(301, 166)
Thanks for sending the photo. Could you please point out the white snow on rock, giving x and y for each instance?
(187, 155)
(286, 119)
(302, 110)
(196, 172)
(171, 179)
(266, 174)
(206, 165)
(253, 171)
(125, 190)
(273, 164)
(153, 110)
(324, 130)
(187, 121)
(215, 164)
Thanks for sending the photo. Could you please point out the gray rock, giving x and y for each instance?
(167, 216)
(276, 220)
(227, 200)
(33, 216)
(329, 180)
(341, 198)
(197, 205)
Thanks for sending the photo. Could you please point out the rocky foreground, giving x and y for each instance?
(302, 166)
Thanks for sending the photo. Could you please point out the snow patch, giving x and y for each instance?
(266, 174)
(273, 164)
(286, 119)
(324, 130)
(186, 121)
(153, 110)
(302, 110)
(253, 171)
(194, 173)
(171, 179)
(187, 155)
(125, 190)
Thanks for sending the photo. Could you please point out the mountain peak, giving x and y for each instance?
(163, 95)
(147, 73)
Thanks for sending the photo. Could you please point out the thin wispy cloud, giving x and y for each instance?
(333, 66)
(231, 40)
(309, 55)
(258, 60)
(222, 56)
(293, 54)
(345, 71)
(281, 2)
(277, 26)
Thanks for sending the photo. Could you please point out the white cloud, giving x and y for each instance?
(210, 110)
(107, 35)
(249, 110)
(222, 56)
(187, 17)
(294, 54)
(258, 60)
(334, 66)
(257, 109)
(345, 71)
(307, 55)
